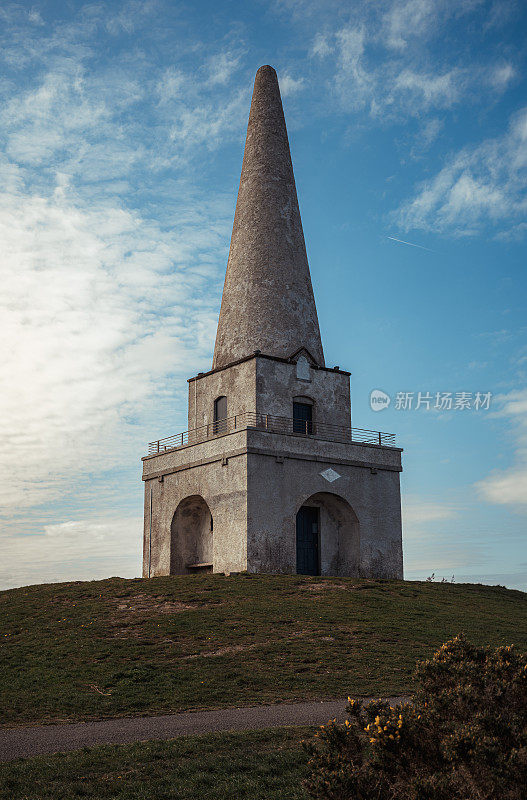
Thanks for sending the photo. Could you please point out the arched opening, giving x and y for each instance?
(327, 537)
(220, 415)
(191, 537)
(303, 415)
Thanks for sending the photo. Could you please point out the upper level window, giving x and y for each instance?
(302, 415)
(220, 414)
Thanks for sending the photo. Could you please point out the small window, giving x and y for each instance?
(220, 415)
(302, 416)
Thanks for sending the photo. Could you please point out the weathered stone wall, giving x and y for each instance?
(277, 384)
(255, 481)
(223, 488)
(267, 386)
(267, 301)
(191, 535)
(279, 485)
(237, 384)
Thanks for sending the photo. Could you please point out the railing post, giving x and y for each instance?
(158, 445)
(380, 442)
(266, 421)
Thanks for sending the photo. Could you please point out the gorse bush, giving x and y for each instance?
(463, 737)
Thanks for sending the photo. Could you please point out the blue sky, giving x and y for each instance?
(122, 128)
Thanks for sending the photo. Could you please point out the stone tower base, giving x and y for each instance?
(230, 504)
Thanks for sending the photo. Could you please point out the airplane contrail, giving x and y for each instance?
(411, 244)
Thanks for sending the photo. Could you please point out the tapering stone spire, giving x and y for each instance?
(268, 302)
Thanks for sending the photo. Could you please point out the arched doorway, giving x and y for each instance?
(191, 537)
(327, 537)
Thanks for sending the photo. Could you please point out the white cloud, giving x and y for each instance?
(417, 512)
(103, 305)
(436, 538)
(382, 61)
(506, 488)
(321, 46)
(172, 84)
(34, 17)
(502, 75)
(290, 85)
(75, 551)
(430, 90)
(208, 124)
(95, 321)
(479, 185)
(407, 19)
(509, 487)
(354, 82)
(222, 67)
(429, 132)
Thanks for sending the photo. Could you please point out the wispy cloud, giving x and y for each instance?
(109, 292)
(431, 541)
(408, 19)
(76, 550)
(381, 62)
(100, 307)
(418, 511)
(509, 487)
(481, 185)
(222, 67)
(290, 85)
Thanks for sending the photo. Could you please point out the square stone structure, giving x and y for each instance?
(271, 476)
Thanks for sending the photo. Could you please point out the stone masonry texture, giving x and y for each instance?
(268, 301)
(226, 497)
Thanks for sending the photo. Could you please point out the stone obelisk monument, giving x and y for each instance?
(270, 476)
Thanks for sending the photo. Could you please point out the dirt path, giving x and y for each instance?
(26, 742)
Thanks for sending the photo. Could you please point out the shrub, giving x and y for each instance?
(464, 736)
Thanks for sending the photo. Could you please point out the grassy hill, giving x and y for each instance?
(121, 647)
(253, 765)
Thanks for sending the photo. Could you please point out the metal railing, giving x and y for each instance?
(268, 422)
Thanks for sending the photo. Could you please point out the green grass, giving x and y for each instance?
(126, 647)
(254, 765)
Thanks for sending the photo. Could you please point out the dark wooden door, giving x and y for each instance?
(220, 415)
(307, 558)
(302, 418)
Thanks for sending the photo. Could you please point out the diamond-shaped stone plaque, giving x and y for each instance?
(330, 475)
